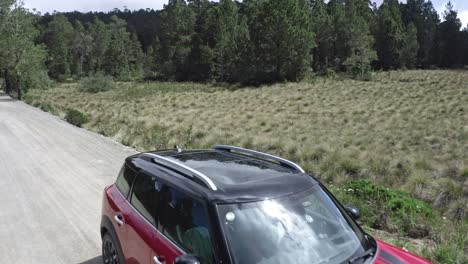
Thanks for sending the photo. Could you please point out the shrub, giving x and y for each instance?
(387, 208)
(76, 117)
(29, 98)
(464, 173)
(46, 107)
(97, 83)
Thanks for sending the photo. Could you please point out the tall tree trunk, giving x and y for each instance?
(18, 88)
(7, 81)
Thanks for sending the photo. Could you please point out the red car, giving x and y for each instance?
(230, 205)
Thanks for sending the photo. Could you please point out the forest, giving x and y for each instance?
(251, 42)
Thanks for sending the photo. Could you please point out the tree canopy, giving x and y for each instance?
(248, 42)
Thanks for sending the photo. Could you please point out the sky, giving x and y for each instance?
(44, 6)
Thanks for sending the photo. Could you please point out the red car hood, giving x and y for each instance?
(389, 254)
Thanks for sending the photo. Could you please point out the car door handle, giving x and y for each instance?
(119, 220)
(158, 260)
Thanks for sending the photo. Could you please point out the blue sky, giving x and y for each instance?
(106, 5)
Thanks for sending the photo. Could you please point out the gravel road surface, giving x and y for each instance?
(52, 175)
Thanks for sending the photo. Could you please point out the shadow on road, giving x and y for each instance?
(96, 260)
(5, 98)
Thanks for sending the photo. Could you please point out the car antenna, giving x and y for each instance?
(177, 148)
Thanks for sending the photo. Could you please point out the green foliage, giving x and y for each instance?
(448, 41)
(58, 37)
(464, 173)
(322, 28)
(100, 34)
(423, 15)
(409, 52)
(389, 34)
(200, 59)
(76, 117)
(281, 39)
(386, 208)
(47, 108)
(96, 83)
(362, 54)
(123, 58)
(176, 29)
(226, 50)
(251, 41)
(21, 60)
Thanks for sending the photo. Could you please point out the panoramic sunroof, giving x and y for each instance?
(231, 168)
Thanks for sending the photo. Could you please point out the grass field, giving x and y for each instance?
(396, 146)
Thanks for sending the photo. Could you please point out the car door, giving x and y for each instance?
(140, 219)
(118, 203)
(183, 227)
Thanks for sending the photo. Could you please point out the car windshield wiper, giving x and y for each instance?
(366, 254)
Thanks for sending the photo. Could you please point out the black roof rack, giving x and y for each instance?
(261, 155)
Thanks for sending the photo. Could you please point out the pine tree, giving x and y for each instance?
(423, 15)
(281, 39)
(176, 29)
(100, 33)
(449, 39)
(124, 55)
(136, 57)
(58, 37)
(336, 9)
(409, 52)
(200, 59)
(389, 34)
(362, 54)
(81, 49)
(322, 28)
(226, 19)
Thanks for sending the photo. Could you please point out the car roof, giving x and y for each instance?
(224, 176)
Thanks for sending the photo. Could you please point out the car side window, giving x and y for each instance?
(125, 179)
(145, 196)
(185, 221)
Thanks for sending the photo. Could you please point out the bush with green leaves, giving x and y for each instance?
(76, 117)
(97, 83)
(386, 208)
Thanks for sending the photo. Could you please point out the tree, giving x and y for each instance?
(58, 37)
(336, 10)
(322, 28)
(409, 52)
(423, 15)
(100, 34)
(123, 58)
(465, 45)
(81, 49)
(21, 60)
(176, 29)
(281, 38)
(449, 39)
(226, 49)
(362, 54)
(389, 35)
(200, 59)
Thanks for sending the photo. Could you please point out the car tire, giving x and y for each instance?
(110, 251)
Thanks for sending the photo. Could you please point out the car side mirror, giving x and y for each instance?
(353, 211)
(186, 259)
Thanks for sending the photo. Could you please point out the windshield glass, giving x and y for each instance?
(306, 227)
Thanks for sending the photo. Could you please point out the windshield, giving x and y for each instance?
(307, 227)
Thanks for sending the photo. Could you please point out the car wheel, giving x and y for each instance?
(110, 251)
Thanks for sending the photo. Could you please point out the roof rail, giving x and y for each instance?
(178, 166)
(258, 154)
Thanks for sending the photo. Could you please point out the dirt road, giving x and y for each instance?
(51, 179)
